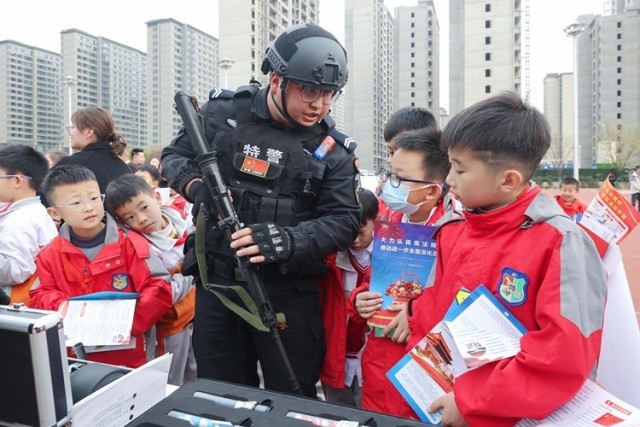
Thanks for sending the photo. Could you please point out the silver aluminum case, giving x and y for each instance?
(38, 390)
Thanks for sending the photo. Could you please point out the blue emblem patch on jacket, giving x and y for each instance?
(119, 281)
(513, 286)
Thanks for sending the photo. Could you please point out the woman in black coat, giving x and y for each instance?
(93, 133)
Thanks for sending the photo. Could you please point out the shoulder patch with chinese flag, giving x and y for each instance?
(254, 166)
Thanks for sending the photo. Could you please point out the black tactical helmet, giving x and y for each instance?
(309, 55)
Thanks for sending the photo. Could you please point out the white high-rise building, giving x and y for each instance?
(110, 75)
(416, 49)
(369, 91)
(30, 86)
(608, 90)
(487, 49)
(558, 110)
(180, 57)
(248, 26)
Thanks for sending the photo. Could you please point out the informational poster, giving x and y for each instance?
(402, 257)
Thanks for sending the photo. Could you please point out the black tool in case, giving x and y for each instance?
(35, 387)
(214, 403)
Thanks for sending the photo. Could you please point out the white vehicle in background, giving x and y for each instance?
(368, 180)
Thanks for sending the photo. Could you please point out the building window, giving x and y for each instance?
(619, 116)
(413, 35)
(413, 44)
(413, 74)
(487, 89)
(619, 58)
(487, 23)
(413, 94)
(619, 93)
(487, 7)
(413, 84)
(619, 70)
(619, 24)
(619, 81)
(619, 36)
(487, 40)
(487, 72)
(413, 24)
(619, 104)
(619, 47)
(413, 54)
(413, 15)
(413, 65)
(487, 56)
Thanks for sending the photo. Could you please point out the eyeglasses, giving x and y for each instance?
(78, 205)
(69, 128)
(395, 180)
(12, 176)
(310, 94)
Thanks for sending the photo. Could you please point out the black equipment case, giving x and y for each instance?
(35, 388)
(249, 406)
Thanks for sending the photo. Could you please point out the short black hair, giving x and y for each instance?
(24, 160)
(426, 141)
(502, 131)
(135, 151)
(369, 205)
(408, 118)
(124, 188)
(571, 181)
(62, 175)
(151, 170)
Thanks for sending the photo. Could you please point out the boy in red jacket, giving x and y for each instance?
(90, 256)
(567, 200)
(536, 261)
(414, 187)
(341, 374)
(402, 120)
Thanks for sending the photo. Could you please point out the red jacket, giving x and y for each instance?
(575, 208)
(386, 214)
(124, 264)
(547, 272)
(381, 354)
(334, 319)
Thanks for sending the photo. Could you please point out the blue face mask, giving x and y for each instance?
(397, 199)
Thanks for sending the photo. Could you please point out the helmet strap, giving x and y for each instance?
(283, 110)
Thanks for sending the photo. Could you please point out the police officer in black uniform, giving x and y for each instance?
(293, 181)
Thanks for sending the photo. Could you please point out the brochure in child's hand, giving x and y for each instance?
(402, 257)
(100, 321)
(592, 406)
(476, 330)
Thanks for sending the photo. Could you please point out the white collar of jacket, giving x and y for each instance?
(20, 204)
(162, 242)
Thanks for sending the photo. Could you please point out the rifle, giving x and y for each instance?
(229, 222)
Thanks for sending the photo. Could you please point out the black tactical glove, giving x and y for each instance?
(274, 242)
(200, 196)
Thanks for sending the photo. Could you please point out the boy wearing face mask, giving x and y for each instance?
(414, 186)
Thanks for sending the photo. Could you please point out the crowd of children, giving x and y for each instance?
(472, 181)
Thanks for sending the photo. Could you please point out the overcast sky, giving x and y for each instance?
(39, 22)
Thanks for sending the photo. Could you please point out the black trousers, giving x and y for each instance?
(227, 348)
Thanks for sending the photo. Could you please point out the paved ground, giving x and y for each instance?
(630, 249)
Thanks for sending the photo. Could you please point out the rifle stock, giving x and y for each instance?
(228, 220)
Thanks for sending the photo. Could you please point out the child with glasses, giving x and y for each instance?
(404, 119)
(539, 263)
(25, 226)
(413, 186)
(132, 201)
(93, 254)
